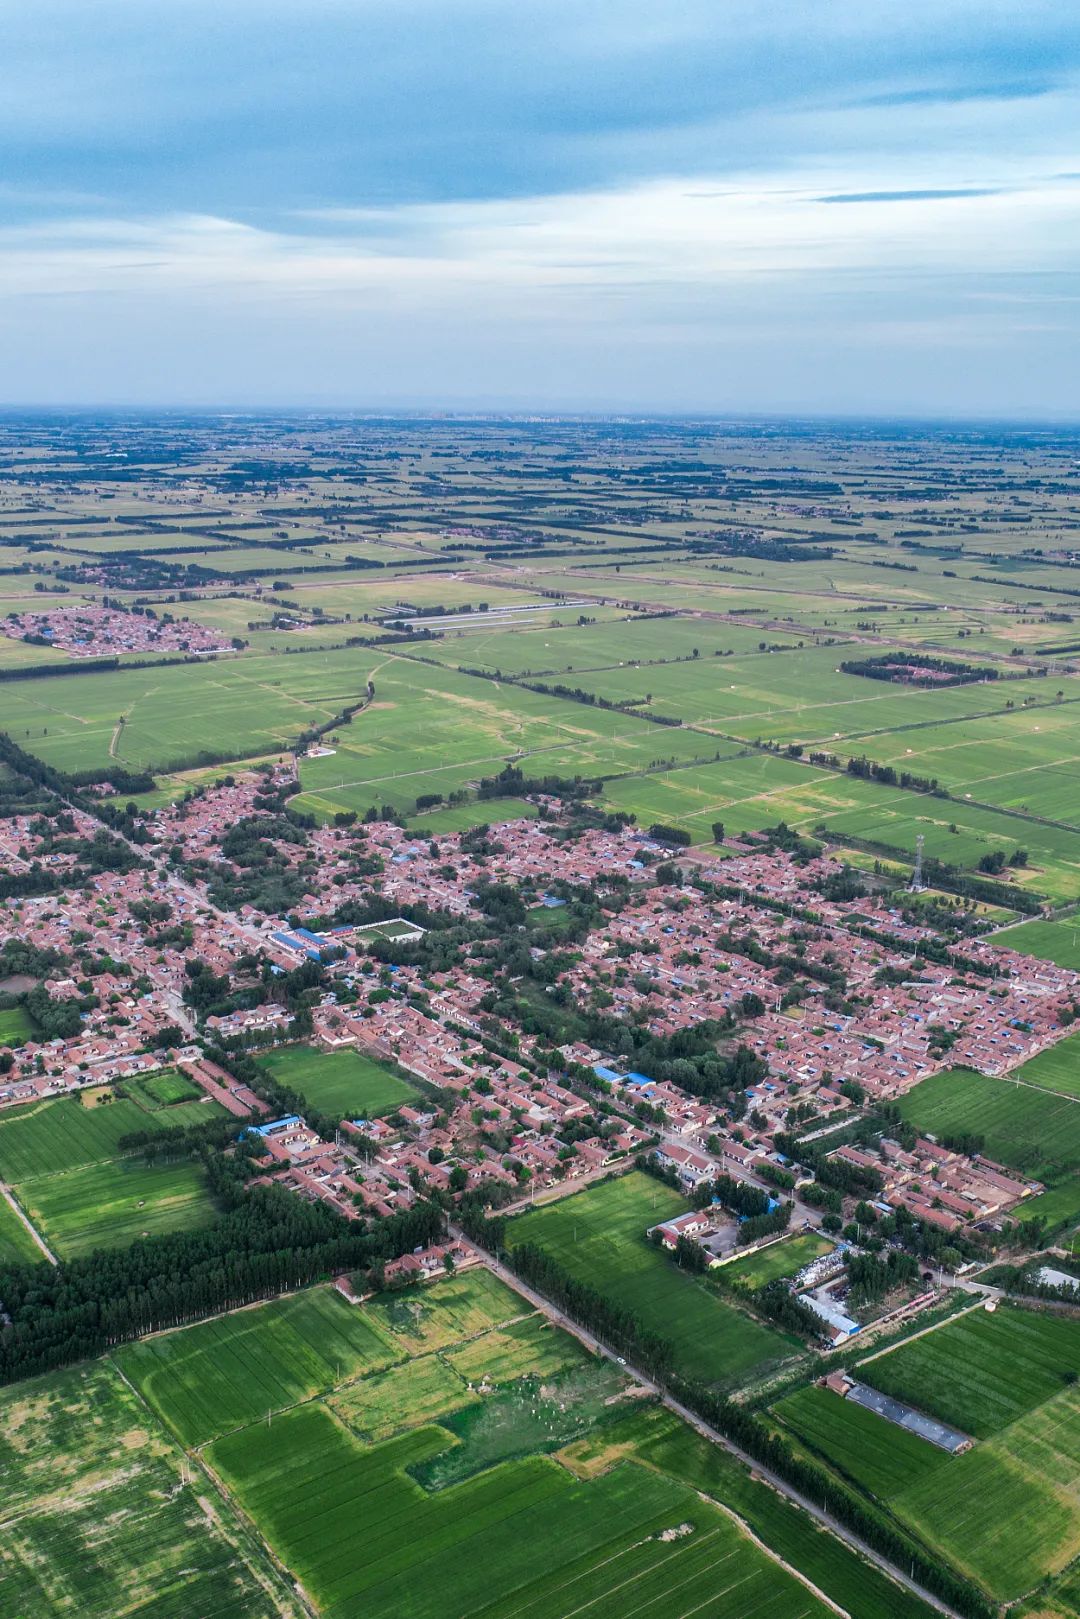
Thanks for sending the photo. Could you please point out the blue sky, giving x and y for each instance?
(717, 206)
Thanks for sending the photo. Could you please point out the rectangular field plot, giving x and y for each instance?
(205, 1380)
(343, 1082)
(459, 1307)
(531, 1347)
(1050, 941)
(43, 1137)
(981, 1372)
(112, 1204)
(96, 1523)
(1029, 1129)
(599, 1235)
(16, 1026)
(881, 1456)
(1055, 1069)
(523, 1538)
(420, 1391)
(1007, 1512)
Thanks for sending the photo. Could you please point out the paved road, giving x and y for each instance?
(703, 1428)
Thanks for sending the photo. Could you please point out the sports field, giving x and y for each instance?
(340, 1082)
(599, 1236)
(1031, 1130)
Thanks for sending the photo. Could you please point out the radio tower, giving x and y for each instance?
(917, 885)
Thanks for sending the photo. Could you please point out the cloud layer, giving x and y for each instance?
(616, 205)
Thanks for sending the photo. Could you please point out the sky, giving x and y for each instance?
(803, 206)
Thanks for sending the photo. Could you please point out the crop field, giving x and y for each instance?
(16, 1026)
(17, 1246)
(785, 1258)
(434, 730)
(96, 1521)
(1055, 1069)
(112, 1204)
(522, 1538)
(879, 1455)
(1008, 1511)
(205, 1380)
(345, 1082)
(1051, 941)
(981, 1372)
(544, 650)
(1031, 1130)
(599, 1236)
(425, 1319)
(43, 1137)
(421, 1390)
(173, 713)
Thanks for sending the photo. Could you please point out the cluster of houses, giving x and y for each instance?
(92, 631)
(667, 957)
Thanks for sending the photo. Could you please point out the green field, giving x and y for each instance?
(112, 1204)
(17, 1246)
(523, 1538)
(1055, 1069)
(875, 1453)
(1031, 1130)
(163, 1089)
(95, 1521)
(205, 1380)
(982, 1372)
(785, 1258)
(16, 1026)
(599, 1236)
(341, 1082)
(43, 1137)
(1051, 941)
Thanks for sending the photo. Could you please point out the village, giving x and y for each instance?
(498, 1106)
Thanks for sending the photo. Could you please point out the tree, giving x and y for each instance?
(718, 831)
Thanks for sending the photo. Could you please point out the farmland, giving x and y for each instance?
(204, 1380)
(599, 1236)
(97, 1520)
(1032, 1130)
(340, 1082)
(1006, 1379)
(64, 1160)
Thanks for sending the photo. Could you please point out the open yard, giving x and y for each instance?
(599, 1236)
(344, 1082)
